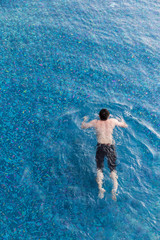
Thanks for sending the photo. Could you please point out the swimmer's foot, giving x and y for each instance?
(101, 193)
(114, 195)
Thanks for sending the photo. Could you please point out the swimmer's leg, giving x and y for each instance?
(99, 180)
(100, 164)
(111, 155)
(114, 177)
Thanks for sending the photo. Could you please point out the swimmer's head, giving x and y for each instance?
(104, 114)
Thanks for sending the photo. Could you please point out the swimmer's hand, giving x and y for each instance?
(85, 118)
(90, 124)
(122, 123)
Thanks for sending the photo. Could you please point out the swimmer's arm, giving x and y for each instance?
(120, 123)
(88, 125)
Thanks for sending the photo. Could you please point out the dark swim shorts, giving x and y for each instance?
(106, 150)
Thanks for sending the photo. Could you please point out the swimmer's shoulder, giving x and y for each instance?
(94, 122)
(112, 121)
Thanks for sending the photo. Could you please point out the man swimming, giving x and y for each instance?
(105, 147)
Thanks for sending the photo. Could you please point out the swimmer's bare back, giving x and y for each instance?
(104, 129)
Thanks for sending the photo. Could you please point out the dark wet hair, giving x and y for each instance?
(104, 114)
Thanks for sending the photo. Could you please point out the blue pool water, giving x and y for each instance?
(59, 61)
